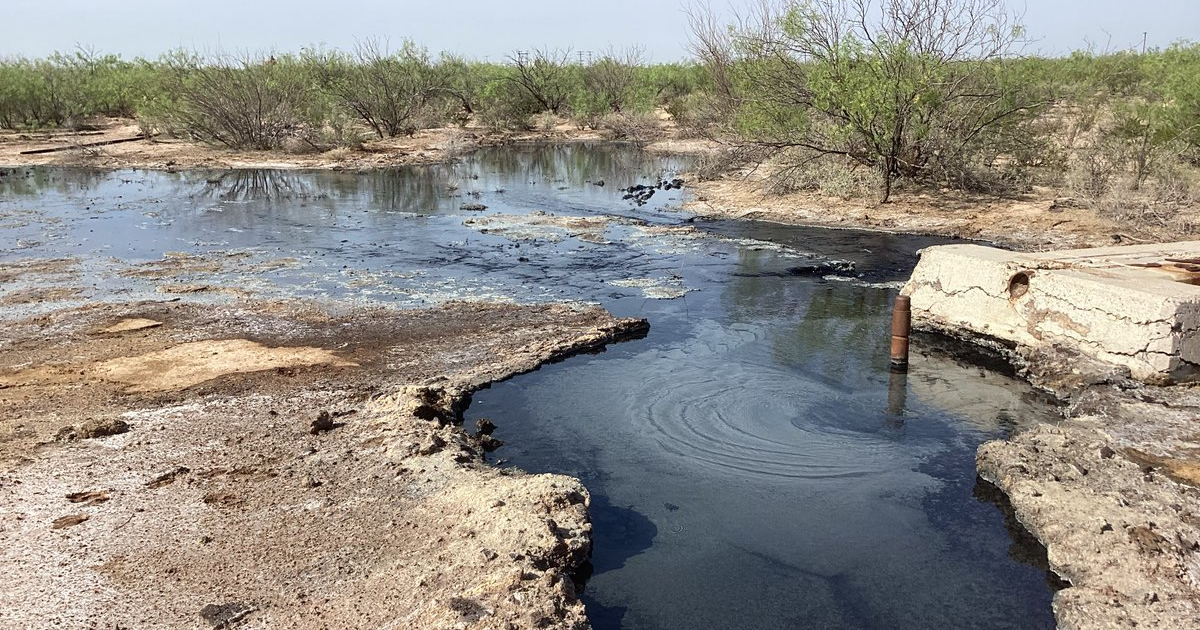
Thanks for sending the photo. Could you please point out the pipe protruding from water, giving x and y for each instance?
(901, 327)
(897, 393)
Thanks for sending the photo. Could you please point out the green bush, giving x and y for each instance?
(64, 90)
(329, 97)
(545, 79)
(392, 92)
(921, 93)
(503, 104)
(246, 102)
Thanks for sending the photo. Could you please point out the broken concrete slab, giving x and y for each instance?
(1136, 306)
(1112, 490)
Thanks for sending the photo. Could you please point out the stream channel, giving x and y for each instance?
(749, 465)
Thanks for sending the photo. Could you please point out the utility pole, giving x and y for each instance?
(1144, 34)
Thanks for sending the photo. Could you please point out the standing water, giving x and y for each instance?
(752, 463)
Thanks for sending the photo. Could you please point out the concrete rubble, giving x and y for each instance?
(1113, 491)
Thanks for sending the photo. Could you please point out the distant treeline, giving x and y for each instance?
(330, 98)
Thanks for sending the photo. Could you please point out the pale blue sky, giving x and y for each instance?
(490, 29)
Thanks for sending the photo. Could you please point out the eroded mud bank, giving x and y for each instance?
(1111, 491)
(173, 465)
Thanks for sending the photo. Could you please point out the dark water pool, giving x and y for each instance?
(747, 471)
(752, 463)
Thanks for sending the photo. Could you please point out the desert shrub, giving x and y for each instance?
(330, 127)
(637, 127)
(1132, 135)
(727, 159)
(244, 102)
(464, 85)
(1130, 177)
(63, 90)
(622, 83)
(504, 105)
(1091, 172)
(661, 84)
(698, 115)
(256, 100)
(24, 98)
(393, 92)
(848, 180)
(913, 88)
(800, 171)
(546, 78)
(1177, 71)
(610, 84)
(544, 121)
(531, 84)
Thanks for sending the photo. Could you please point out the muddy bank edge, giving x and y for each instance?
(332, 488)
(1112, 492)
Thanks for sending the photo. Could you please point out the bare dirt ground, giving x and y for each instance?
(1037, 221)
(427, 146)
(279, 465)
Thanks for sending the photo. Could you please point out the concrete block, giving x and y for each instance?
(1137, 306)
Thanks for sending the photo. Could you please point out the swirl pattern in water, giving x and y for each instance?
(754, 419)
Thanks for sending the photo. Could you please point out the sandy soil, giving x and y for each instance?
(279, 465)
(1038, 221)
(426, 146)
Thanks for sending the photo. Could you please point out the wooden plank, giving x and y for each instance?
(82, 145)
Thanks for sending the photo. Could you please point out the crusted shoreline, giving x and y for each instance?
(275, 464)
(1112, 491)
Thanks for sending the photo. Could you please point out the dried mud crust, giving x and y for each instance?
(1113, 492)
(328, 488)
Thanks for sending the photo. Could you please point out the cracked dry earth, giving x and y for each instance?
(280, 465)
(1113, 492)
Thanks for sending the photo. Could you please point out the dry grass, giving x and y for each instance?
(641, 128)
(1144, 184)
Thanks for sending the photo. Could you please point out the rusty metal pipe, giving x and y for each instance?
(901, 327)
